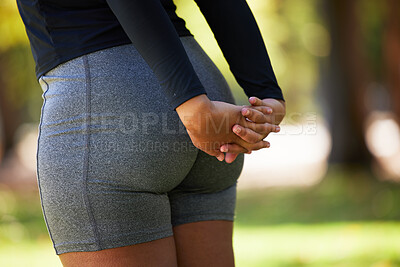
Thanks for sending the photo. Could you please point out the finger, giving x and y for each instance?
(212, 152)
(247, 134)
(264, 109)
(221, 157)
(230, 157)
(254, 115)
(233, 148)
(238, 145)
(255, 101)
(259, 145)
(261, 128)
(269, 118)
(259, 114)
(251, 147)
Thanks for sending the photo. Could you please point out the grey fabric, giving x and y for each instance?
(115, 164)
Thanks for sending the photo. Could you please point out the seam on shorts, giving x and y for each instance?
(37, 160)
(85, 196)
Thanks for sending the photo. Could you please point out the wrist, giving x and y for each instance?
(279, 109)
(191, 109)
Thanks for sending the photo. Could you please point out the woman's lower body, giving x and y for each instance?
(115, 165)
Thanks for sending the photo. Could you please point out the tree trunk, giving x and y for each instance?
(10, 115)
(346, 79)
(391, 54)
(1, 139)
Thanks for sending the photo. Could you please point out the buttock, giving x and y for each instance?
(115, 164)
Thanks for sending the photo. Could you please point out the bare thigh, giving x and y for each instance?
(205, 243)
(158, 253)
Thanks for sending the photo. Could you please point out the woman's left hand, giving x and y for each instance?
(264, 114)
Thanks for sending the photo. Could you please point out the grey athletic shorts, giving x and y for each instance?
(115, 164)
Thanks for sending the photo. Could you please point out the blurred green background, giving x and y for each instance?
(325, 194)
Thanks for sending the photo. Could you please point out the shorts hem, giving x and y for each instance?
(204, 217)
(107, 244)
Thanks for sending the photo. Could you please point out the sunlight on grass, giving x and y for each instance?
(29, 253)
(332, 244)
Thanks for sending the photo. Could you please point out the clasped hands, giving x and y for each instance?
(218, 127)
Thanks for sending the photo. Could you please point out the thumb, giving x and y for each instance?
(230, 157)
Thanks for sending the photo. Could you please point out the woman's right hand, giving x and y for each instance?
(209, 125)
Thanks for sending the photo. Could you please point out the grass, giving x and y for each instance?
(354, 244)
(350, 219)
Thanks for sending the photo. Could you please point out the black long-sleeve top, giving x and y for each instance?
(60, 30)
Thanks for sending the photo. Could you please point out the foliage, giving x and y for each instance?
(17, 76)
(294, 36)
(343, 195)
(11, 26)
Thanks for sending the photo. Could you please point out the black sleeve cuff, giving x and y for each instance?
(176, 102)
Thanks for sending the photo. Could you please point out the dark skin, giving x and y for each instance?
(197, 244)
(213, 126)
(265, 112)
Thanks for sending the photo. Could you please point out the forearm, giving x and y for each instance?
(190, 111)
(240, 40)
(151, 31)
